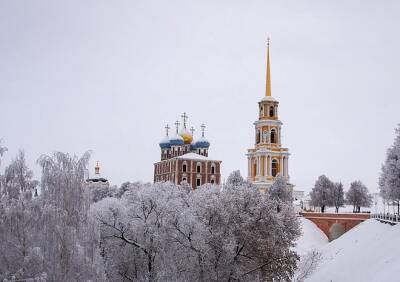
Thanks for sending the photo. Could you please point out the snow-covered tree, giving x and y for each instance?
(235, 178)
(337, 196)
(321, 193)
(389, 181)
(280, 190)
(18, 177)
(358, 196)
(19, 255)
(69, 241)
(165, 232)
(2, 149)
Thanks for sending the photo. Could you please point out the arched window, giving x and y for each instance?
(258, 136)
(184, 167)
(184, 179)
(271, 111)
(198, 182)
(213, 168)
(198, 168)
(274, 167)
(273, 136)
(261, 111)
(212, 181)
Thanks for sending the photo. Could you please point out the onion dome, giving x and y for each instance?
(202, 143)
(176, 140)
(97, 177)
(193, 146)
(187, 137)
(165, 143)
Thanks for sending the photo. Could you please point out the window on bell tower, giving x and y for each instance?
(271, 111)
(273, 136)
(274, 167)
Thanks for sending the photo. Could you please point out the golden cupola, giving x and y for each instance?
(184, 133)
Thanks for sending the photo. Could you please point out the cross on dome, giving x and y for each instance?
(184, 118)
(192, 130)
(203, 127)
(167, 129)
(177, 123)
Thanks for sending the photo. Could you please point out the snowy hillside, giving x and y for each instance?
(312, 237)
(368, 252)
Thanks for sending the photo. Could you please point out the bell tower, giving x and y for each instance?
(268, 158)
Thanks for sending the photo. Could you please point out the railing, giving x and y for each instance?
(386, 217)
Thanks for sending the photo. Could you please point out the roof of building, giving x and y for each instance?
(194, 156)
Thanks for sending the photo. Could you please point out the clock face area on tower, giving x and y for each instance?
(268, 158)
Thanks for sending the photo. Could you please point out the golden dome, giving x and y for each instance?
(187, 137)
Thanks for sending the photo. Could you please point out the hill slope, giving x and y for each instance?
(368, 252)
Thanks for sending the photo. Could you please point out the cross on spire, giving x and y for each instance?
(177, 123)
(185, 118)
(202, 129)
(167, 129)
(192, 130)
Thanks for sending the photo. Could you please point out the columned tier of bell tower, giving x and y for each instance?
(268, 158)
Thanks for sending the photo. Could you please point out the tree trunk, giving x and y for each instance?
(323, 209)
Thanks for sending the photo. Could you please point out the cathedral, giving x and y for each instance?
(184, 159)
(268, 158)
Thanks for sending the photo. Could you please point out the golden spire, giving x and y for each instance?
(268, 82)
(97, 168)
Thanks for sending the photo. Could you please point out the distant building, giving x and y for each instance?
(268, 158)
(184, 159)
(97, 178)
(298, 195)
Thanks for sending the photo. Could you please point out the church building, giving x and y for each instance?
(97, 178)
(268, 158)
(184, 159)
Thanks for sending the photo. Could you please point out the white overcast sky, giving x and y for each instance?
(108, 75)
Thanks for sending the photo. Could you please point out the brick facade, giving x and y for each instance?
(194, 171)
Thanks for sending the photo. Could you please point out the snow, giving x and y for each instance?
(193, 156)
(368, 252)
(312, 237)
(269, 98)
